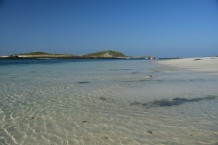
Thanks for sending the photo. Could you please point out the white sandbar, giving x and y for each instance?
(203, 64)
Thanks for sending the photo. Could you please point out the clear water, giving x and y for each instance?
(105, 102)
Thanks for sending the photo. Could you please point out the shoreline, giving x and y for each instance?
(200, 64)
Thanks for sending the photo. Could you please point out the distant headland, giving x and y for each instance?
(108, 54)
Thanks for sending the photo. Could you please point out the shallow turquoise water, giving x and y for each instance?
(105, 102)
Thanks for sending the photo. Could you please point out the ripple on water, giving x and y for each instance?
(76, 108)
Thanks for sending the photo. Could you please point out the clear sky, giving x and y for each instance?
(163, 28)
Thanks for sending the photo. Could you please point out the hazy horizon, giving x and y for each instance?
(182, 28)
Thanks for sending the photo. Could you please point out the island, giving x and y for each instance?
(107, 54)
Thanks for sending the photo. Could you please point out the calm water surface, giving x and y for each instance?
(105, 102)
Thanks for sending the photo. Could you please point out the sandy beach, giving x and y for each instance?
(201, 64)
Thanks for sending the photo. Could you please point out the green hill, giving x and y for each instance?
(36, 53)
(106, 54)
(43, 55)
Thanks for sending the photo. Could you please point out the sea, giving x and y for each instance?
(106, 102)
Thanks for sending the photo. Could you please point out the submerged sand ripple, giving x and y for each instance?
(54, 108)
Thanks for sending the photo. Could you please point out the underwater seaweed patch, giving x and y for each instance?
(174, 101)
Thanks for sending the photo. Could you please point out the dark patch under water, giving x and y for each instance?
(173, 102)
(84, 82)
(103, 98)
(135, 72)
(197, 59)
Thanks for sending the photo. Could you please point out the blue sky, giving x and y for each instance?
(164, 28)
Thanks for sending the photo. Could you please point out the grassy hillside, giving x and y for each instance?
(36, 53)
(43, 55)
(108, 53)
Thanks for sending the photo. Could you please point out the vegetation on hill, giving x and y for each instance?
(108, 53)
(43, 54)
(36, 53)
